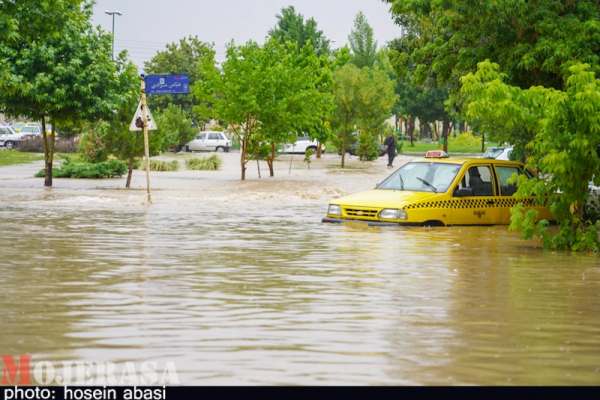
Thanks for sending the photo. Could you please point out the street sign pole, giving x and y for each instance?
(146, 141)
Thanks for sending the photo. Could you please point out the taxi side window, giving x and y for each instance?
(478, 181)
(504, 175)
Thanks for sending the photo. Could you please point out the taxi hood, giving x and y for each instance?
(380, 198)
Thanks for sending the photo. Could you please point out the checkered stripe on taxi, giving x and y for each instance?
(483, 202)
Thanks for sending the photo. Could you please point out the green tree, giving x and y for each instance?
(65, 76)
(362, 43)
(362, 98)
(417, 99)
(377, 99)
(26, 20)
(183, 57)
(562, 130)
(266, 94)
(175, 126)
(232, 94)
(291, 97)
(292, 27)
(534, 42)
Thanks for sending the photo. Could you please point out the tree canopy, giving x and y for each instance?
(266, 94)
(292, 27)
(534, 42)
(65, 75)
(183, 57)
(362, 43)
(363, 99)
(561, 131)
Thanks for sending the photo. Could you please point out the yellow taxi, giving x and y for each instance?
(439, 191)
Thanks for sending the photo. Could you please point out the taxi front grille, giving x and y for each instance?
(361, 213)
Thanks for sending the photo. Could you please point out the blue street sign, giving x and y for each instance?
(167, 84)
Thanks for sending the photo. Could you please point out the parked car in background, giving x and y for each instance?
(31, 128)
(17, 126)
(34, 130)
(498, 153)
(301, 145)
(209, 141)
(8, 137)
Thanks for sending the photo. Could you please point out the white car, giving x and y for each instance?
(209, 141)
(8, 137)
(498, 153)
(300, 146)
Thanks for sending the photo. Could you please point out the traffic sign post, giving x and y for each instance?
(143, 121)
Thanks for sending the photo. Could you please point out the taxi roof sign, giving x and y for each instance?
(436, 154)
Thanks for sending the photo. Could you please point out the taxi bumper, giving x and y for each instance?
(330, 220)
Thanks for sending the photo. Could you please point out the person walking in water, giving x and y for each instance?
(390, 143)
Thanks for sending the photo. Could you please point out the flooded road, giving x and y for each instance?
(240, 283)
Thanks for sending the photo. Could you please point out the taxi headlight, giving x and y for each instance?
(334, 209)
(390, 213)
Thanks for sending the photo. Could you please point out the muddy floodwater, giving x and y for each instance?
(240, 283)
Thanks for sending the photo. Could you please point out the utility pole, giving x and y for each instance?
(113, 13)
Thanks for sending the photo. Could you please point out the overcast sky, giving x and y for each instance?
(148, 25)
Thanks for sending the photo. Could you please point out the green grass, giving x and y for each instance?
(12, 157)
(422, 147)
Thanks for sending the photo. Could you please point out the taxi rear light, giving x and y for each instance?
(436, 154)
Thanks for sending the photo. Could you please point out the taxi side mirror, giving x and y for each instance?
(463, 192)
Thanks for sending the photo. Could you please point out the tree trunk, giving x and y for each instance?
(48, 156)
(343, 153)
(411, 129)
(129, 172)
(483, 142)
(425, 130)
(445, 131)
(243, 157)
(271, 160)
(319, 150)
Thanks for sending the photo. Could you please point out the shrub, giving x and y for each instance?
(368, 146)
(211, 163)
(86, 170)
(161, 166)
(92, 146)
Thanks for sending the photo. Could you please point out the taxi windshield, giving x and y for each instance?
(422, 177)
